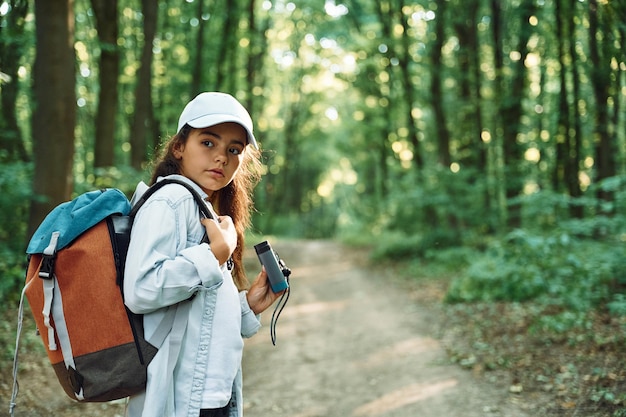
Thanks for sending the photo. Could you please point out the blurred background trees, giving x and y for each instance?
(420, 126)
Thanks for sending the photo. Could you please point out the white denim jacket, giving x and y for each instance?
(167, 265)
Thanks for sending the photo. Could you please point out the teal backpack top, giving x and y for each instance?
(74, 217)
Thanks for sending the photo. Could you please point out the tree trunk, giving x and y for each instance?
(561, 141)
(232, 63)
(436, 92)
(405, 59)
(106, 24)
(227, 48)
(567, 143)
(142, 123)
(384, 92)
(257, 50)
(197, 81)
(251, 61)
(11, 50)
(54, 115)
(468, 122)
(511, 111)
(472, 151)
(574, 158)
(605, 142)
(497, 146)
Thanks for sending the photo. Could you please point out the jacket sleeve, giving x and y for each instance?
(250, 322)
(166, 261)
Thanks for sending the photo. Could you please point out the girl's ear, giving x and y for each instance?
(177, 150)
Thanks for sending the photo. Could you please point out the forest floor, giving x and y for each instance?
(357, 340)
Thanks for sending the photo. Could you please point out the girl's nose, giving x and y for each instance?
(222, 157)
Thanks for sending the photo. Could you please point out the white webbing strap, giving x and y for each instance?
(53, 308)
(48, 291)
(48, 295)
(179, 327)
(63, 334)
(164, 327)
(20, 320)
(61, 328)
(174, 324)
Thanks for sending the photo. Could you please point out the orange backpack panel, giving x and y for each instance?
(94, 320)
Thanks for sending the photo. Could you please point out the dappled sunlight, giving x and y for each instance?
(404, 396)
(406, 348)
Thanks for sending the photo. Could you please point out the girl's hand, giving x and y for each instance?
(260, 295)
(222, 237)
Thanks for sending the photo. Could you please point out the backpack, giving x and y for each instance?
(74, 285)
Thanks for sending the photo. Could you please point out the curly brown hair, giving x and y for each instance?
(234, 200)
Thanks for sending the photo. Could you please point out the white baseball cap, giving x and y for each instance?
(209, 109)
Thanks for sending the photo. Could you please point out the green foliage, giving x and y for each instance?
(422, 216)
(542, 209)
(30, 341)
(397, 246)
(453, 258)
(602, 218)
(12, 269)
(124, 178)
(555, 269)
(438, 201)
(311, 225)
(608, 396)
(560, 323)
(15, 195)
(492, 278)
(618, 305)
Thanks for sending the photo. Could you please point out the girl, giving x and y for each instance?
(197, 370)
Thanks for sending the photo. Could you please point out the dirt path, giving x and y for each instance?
(349, 344)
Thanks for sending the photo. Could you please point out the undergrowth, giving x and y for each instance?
(569, 274)
(545, 308)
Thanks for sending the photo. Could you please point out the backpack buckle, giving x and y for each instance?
(47, 266)
(49, 257)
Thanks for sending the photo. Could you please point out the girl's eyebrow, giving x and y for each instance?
(208, 131)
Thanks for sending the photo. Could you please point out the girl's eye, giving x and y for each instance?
(235, 151)
(208, 143)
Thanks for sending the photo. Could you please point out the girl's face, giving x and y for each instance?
(211, 156)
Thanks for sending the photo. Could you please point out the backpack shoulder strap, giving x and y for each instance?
(204, 210)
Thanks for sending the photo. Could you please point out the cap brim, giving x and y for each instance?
(214, 119)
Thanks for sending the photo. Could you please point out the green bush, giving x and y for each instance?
(15, 195)
(396, 246)
(452, 258)
(437, 201)
(617, 306)
(574, 274)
